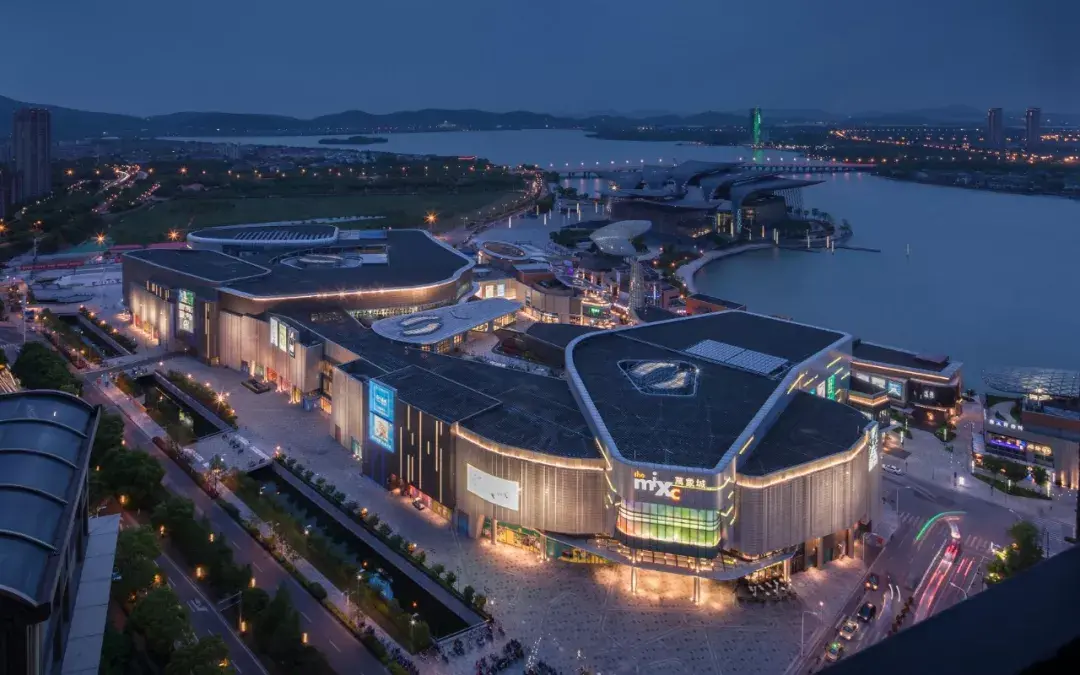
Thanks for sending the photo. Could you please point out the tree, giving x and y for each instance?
(115, 652)
(1040, 475)
(160, 619)
(134, 474)
(203, 657)
(38, 367)
(217, 464)
(1015, 472)
(1023, 553)
(109, 436)
(451, 578)
(469, 593)
(438, 569)
(254, 602)
(136, 550)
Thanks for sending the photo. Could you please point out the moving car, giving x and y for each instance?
(849, 629)
(872, 582)
(834, 651)
(952, 551)
(867, 612)
(892, 468)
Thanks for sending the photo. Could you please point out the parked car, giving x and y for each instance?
(893, 469)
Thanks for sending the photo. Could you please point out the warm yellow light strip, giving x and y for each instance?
(838, 370)
(745, 446)
(603, 453)
(858, 398)
(796, 383)
(724, 484)
(517, 453)
(725, 513)
(731, 495)
(902, 371)
(760, 482)
(609, 483)
(834, 361)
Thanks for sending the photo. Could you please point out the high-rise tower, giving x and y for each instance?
(31, 152)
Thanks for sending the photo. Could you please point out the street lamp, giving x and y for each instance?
(802, 625)
(959, 589)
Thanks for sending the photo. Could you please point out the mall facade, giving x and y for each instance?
(719, 446)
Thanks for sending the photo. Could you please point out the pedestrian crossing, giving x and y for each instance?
(971, 543)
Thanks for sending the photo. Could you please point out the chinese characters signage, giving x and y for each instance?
(381, 415)
(185, 310)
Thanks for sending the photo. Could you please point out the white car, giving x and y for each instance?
(893, 469)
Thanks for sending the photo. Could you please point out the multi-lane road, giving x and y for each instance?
(343, 651)
(917, 561)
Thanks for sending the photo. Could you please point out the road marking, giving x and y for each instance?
(332, 643)
(235, 545)
(306, 617)
(254, 564)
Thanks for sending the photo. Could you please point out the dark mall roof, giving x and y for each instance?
(413, 259)
(45, 439)
(703, 413)
(809, 428)
(868, 351)
(769, 335)
(209, 265)
(445, 399)
(689, 431)
(713, 300)
(650, 314)
(532, 411)
(1002, 630)
(557, 334)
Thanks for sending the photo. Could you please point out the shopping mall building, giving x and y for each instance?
(717, 446)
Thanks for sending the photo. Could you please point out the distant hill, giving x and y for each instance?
(70, 124)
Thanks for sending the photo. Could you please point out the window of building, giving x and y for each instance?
(500, 290)
(663, 523)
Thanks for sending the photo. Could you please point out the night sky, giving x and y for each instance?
(561, 56)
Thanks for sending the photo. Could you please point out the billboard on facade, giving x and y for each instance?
(498, 491)
(894, 389)
(282, 335)
(185, 310)
(381, 414)
(273, 331)
(293, 337)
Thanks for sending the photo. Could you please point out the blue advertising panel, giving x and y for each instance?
(381, 415)
(894, 389)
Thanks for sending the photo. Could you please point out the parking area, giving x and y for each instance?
(569, 615)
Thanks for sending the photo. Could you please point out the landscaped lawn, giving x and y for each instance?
(153, 224)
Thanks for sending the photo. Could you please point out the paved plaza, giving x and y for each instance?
(569, 615)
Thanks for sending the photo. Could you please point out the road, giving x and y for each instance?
(205, 618)
(342, 650)
(914, 565)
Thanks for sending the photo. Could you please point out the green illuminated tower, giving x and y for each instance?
(755, 126)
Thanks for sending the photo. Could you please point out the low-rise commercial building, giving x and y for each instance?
(53, 593)
(926, 387)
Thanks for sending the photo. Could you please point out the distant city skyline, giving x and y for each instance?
(560, 57)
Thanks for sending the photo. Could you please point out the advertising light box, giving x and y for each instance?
(498, 491)
(381, 415)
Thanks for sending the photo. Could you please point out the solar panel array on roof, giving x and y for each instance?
(277, 235)
(738, 357)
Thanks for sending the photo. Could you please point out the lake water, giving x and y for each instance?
(989, 280)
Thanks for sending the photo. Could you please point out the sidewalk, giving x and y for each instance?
(929, 461)
(305, 569)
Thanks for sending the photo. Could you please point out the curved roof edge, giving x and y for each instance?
(1058, 383)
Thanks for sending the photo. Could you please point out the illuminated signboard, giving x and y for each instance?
(492, 489)
(593, 310)
(293, 336)
(875, 441)
(273, 331)
(821, 389)
(282, 335)
(381, 415)
(894, 389)
(185, 310)
(830, 387)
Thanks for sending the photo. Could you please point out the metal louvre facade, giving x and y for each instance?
(245, 339)
(566, 497)
(789, 507)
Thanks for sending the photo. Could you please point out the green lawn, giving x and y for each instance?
(153, 224)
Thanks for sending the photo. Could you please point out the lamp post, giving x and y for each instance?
(959, 589)
(802, 626)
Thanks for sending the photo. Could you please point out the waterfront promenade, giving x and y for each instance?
(686, 272)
